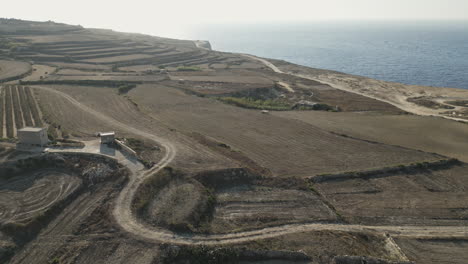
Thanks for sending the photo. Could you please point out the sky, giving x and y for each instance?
(171, 18)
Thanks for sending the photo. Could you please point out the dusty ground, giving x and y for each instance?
(23, 197)
(432, 251)
(265, 138)
(429, 134)
(418, 198)
(13, 69)
(215, 145)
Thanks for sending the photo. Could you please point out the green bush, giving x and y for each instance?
(248, 102)
(126, 88)
(188, 68)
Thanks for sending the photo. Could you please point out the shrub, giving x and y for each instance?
(248, 102)
(188, 68)
(126, 88)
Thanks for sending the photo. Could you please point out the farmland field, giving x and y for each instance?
(445, 137)
(233, 158)
(20, 110)
(10, 70)
(266, 138)
(416, 198)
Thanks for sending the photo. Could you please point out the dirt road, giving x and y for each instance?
(123, 214)
(399, 100)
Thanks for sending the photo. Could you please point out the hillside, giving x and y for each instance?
(234, 158)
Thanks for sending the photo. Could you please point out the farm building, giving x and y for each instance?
(107, 137)
(36, 136)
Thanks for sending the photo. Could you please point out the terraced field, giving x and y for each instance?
(18, 109)
(424, 197)
(345, 178)
(252, 207)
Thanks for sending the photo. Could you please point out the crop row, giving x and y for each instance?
(26, 107)
(17, 108)
(34, 107)
(9, 114)
(20, 110)
(2, 95)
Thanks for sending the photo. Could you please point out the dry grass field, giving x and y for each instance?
(337, 166)
(11, 70)
(435, 251)
(246, 207)
(285, 146)
(423, 133)
(422, 197)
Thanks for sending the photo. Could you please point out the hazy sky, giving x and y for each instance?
(174, 18)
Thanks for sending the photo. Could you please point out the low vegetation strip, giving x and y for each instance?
(2, 96)
(9, 114)
(251, 103)
(124, 89)
(384, 172)
(205, 254)
(103, 83)
(17, 107)
(188, 68)
(26, 107)
(33, 106)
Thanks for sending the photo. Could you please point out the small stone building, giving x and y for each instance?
(35, 136)
(107, 137)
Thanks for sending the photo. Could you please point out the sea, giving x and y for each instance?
(430, 53)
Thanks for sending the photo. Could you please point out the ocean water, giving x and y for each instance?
(424, 53)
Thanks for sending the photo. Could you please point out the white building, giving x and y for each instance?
(35, 136)
(107, 137)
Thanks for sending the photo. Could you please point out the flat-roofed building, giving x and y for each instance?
(107, 137)
(35, 136)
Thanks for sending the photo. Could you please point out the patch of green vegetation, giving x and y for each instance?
(201, 255)
(7, 43)
(248, 102)
(54, 261)
(52, 133)
(188, 68)
(9, 140)
(318, 107)
(123, 89)
(97, 83)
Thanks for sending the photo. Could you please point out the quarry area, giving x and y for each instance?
(128, 148)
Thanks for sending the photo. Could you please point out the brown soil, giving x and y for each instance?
(417, 198)
(423, 133)
(435, 251)
(269, 205)
(266, 138)
(10, 70)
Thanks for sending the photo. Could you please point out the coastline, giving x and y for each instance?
(396, 94)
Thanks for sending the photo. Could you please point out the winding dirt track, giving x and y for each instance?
(123, 214)
(401, 103)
